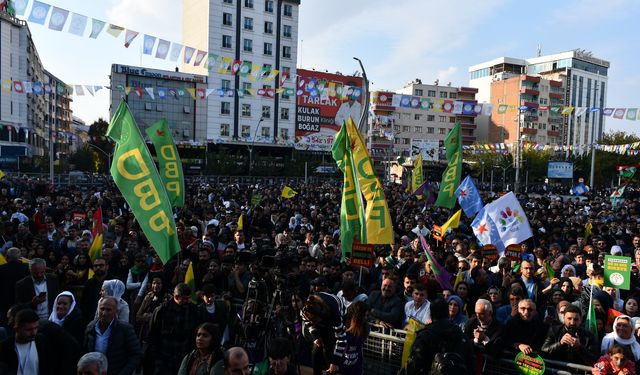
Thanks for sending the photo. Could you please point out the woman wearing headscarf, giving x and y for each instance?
(115, 288)
(67, 315)
(456, 311)
(622, 335)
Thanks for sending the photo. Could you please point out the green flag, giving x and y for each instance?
(351, 207)
(169, 164)
(451, 175)
(590, 323)
(617, 195)
(627, 172)
(135, 174)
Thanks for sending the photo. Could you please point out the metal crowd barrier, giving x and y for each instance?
(383, 355)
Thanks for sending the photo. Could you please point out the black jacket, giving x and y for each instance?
(518, 331)
(223, 318)
(123, 350)
(430, 341)
(494, 333)
(586, 353)
(10, 274)
(389, 310)
(25, 290)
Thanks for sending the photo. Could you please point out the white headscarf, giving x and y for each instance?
(54, 315)
(612, 338)
(113, 288)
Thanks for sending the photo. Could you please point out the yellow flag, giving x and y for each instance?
(417, 177)
(2, 175)
(190, 280)
(288, 192)
(377, 218)
(587, 231)
(240, 222)
(255, 72)
(3, 260)
(453, 222)
(458, 280)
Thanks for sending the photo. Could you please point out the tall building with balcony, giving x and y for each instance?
(584, 83)
(263, 33)
(58, 116)
(537, 123)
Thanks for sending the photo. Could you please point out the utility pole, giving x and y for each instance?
(593, 138)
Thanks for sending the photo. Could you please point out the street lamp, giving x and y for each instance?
(107, 154)
(250, 147)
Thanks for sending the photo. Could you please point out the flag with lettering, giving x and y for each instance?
(377, 218)
(510, 219)
(451, 175)
(169, 164)
(486, 231)
(352, 225)
(469, 197)
(417, 177)
(135, 175)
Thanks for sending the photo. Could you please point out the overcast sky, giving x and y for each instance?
(397, 41)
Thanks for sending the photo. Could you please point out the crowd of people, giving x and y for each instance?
(277, 293)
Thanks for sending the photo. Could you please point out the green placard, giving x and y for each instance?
(256, 198)
(529, 365)
(617, 271)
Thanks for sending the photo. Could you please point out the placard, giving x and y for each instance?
(436, 232)
(529, 365)
(513, 252)
(490, 252)
(617, 271)
(362, 255)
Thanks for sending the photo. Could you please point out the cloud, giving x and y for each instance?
(161, 18)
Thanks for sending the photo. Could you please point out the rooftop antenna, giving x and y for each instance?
(539, 50)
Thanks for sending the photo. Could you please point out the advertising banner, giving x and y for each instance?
(428, 147)
(559, 169)
(323, 102)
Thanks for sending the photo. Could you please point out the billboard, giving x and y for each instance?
(323, 102)
(428, 147)
(559, 169)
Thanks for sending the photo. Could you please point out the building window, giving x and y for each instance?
(442, 131)
(245, 131)
(396, 128)
(227, 19)
(417, 92)
(268, 49)
(286, 31)
(453, 95)
(225, 108)
(265, 132)
(268, 6)
(148, 106)
(248, 23)
(228, 1)
(452, 120)
(431, 117)
(442, 119)
(246, 86)
(246, 110)
(224, 130)
(405, 129)
(268, 27)
(443, 94)
(248, 45)
(431, 93)
(226, 84)
(226, 41)
(288, 10)
(286, 52)
(266, 111)
(159, 108)
(430, 130)
(417, 129)
(284, 134)
(284, 113)
(417, 117)
(248, 3)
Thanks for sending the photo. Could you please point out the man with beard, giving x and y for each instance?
(570, 342)
(485, 331)
(92, 287)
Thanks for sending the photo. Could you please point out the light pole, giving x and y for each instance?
(593, 139)
(107, 154)
(482, 163)
(516, 184)
(253, 141)
(364, 117)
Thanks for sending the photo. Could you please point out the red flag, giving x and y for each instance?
(612, 315)
(97, 223)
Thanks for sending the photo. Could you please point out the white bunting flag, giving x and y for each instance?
(149, 43)
(78, 24)
(163, 49)
(129, 36)
(58, 18)
(176, 48)
(149, 91)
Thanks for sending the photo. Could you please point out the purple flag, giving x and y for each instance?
(442, 276)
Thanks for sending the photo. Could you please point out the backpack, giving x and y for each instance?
(447, 363)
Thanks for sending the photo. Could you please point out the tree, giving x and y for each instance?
(99, 141)
(83, 160)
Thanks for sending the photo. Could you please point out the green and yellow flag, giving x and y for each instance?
(451, 175)
(288, 192)
(136, 177)
(169, 164)
(352, 223)
(417, 177)
(377, 218)
(190, 279)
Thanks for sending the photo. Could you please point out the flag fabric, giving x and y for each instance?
(426, 192)
(452, 223)
(441, 275)
(288, 192)
(190, 280)
(486, 231)
(39, 12)
(579, 189)
(241, 222)
(2, 174)
(176, 48)
(17, 7)
(188, 54)
(451, 175)
(617, 195)
(627, 172)
(458, 280)
(352, 225)
(148, 44)
(550, 272)
(96, 246)
(587, 231)
(58, 18)
(96, 28)
(78, 24)
(510, 219)
(469, 197)
(612, 314)
(377, 219)
(169, 164)
(129, 36)
(163, 49)
(114, 30)
(136, 177)
(200, 55)
(590, 322)
(417, 178)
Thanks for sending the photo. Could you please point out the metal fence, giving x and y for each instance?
(383, 355)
